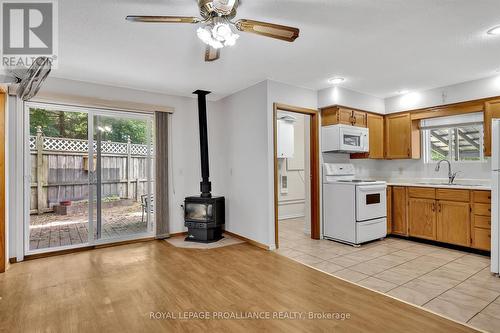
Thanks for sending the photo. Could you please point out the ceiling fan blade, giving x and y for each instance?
(282, 32)
(211, 54)
(163, 19)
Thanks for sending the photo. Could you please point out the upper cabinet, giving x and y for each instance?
(491, 110)
(359, 118)
(340, 115)
(402, 137)
(398, 135)
(375, 124)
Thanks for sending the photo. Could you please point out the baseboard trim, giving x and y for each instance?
(177, 234)
(248, 240)
(232, 234)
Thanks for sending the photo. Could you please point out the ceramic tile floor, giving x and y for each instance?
(453, 283)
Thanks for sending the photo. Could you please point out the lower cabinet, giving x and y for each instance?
(481, 220)
(458, 217)
(398, 218)
(453, 222)
(481, 239)
(422, 218)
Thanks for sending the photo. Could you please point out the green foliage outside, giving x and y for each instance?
(74, 125)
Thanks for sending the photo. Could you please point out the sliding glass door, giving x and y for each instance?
(123, 198)
(88, 177)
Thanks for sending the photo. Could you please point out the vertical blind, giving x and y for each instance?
(161, 181)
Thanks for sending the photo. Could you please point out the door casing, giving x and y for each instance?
(314, 167)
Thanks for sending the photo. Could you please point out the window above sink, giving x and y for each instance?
(459, 139)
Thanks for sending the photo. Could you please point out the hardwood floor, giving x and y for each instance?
(116, 289)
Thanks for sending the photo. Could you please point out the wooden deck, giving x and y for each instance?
(155, 287)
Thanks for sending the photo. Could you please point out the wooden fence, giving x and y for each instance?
(60, 171)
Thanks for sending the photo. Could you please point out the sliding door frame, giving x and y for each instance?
(91, 183)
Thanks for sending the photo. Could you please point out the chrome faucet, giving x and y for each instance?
(451, 175)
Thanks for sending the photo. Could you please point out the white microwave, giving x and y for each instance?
(344, 138)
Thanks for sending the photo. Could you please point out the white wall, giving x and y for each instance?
(245, 120)
(243, 141)
(286, 94)
(466, 91)
(342, 96)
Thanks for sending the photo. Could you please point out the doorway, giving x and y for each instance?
(286, 114)
(88, 177)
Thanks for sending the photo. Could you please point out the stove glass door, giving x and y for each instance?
(198, 212)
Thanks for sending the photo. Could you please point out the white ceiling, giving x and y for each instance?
(379, 46)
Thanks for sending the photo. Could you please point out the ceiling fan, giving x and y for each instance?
(218, 27)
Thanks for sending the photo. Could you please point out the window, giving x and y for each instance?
(456, 138)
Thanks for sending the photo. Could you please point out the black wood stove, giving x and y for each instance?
(204, 215)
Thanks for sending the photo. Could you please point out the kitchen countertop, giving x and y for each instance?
(466, 184)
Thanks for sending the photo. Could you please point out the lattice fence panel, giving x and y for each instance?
(81, 146)
(113, 147)
(65, 145)
(32, 142)
(136, 149)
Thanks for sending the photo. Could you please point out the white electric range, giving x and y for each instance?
(354, 210)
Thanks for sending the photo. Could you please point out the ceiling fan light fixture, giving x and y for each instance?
(221, 31)
(217, 35)
(205, 34)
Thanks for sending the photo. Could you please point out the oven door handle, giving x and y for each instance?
(372, 188)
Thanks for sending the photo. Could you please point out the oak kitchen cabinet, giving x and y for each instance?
(481, 220)
(491, 110)
(359, 118)
(422, 218)
(453, 222)
(398, 216)
(439, 214)
(341, 115)
(402, 137)
(375, 125)
(454, 216)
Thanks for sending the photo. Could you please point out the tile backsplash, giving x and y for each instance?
(409, 169)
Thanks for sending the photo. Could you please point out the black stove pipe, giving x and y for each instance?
(205, 185)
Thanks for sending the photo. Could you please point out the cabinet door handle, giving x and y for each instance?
(433, 206)
(439, 207)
